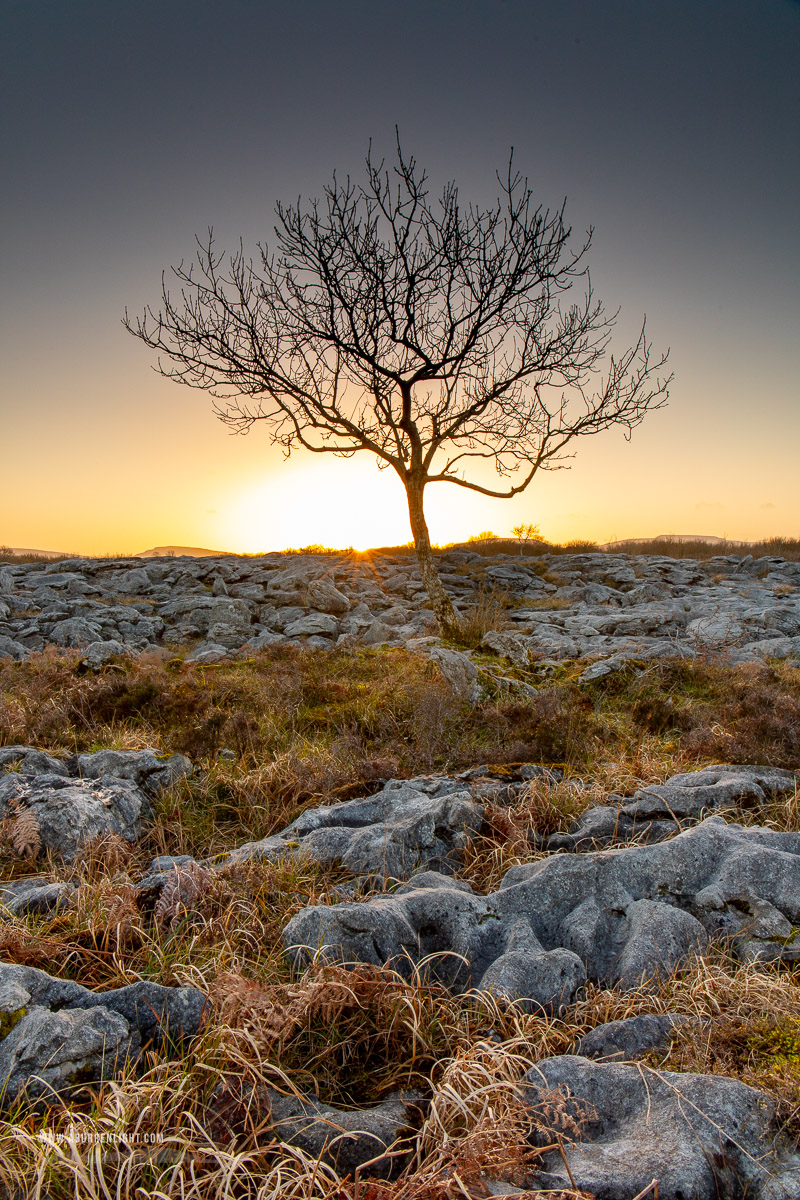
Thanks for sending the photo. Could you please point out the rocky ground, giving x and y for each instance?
(238, 920)
(596, 609)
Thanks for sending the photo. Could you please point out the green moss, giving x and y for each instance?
(776, 1042)
(9, 1019)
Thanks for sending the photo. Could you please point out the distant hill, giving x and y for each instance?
(20, 551)
(177, 551)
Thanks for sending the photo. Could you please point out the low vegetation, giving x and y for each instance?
(288, 729)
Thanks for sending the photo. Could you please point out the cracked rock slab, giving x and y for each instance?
(703, 1137)
(630, 916)
(345, 1139)
(56, 1034)
(659, 811)
(76, 799)
(408, 826)
(70, 812)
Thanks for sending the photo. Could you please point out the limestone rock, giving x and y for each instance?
(30, 761)
(56, 1034)
(326, 597)
(513, 646)
(407, 826)
(537, 978)
(611, 609)
(98, 653)
(704, 1137)
(75, 632)
(9, 648)
(262, 640)
(208, 652)
(458, 671)
(149, 769)
(630, 1038)
(715, 631)
(48, 1053)
(345, 1139)
(221, 620)
(320, 624)
(21, 897)
(76, 799)
(658, 811)
(70, 812)
(631, 916)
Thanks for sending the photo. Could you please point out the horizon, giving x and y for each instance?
(176, 549)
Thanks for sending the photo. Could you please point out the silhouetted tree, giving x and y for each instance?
(430, 334)
(525, 533)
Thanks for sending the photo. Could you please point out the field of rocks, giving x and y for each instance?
(300, 900)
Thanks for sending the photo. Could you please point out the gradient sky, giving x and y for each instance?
(672, 128)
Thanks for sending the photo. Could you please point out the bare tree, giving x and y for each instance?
(526, 533)
(433, 335)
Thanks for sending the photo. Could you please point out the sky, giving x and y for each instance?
(128, 128)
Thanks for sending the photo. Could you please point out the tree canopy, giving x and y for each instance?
(432, 334)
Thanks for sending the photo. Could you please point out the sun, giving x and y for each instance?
(344, 502)
(330, 502)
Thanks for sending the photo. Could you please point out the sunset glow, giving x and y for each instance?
(669, 163)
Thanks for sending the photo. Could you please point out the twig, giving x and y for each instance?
(566, 1164)
(651, 1187)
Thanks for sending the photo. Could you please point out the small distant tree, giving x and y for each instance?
(526, 533)
(434, 335)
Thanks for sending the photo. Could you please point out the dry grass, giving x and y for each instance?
(489, 613)
(203, 1122)
(305, 728)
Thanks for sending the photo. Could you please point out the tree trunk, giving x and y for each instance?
(441, 603)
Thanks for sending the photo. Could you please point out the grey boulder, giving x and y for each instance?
(56, 1033)
(70, 812)
(219, 619)
(702, 1137)
(20, 897)
(98, 653)
(630, 1038)
(658, 811)
(314, 624)
(631, 916)
(345, 1139)
(29, 761)
(208, 652)
(407, 826)
(538, 979)
(76, 799)
(149, 769)
(47, 1053)
(456, 667)
(9, 648)
(75, 631)
(324, 596)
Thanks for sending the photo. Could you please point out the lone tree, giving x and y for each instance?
(433, 335)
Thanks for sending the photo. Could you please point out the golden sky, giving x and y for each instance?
(145, 463)
(672, 129)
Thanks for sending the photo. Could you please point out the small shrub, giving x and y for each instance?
(489, 613)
